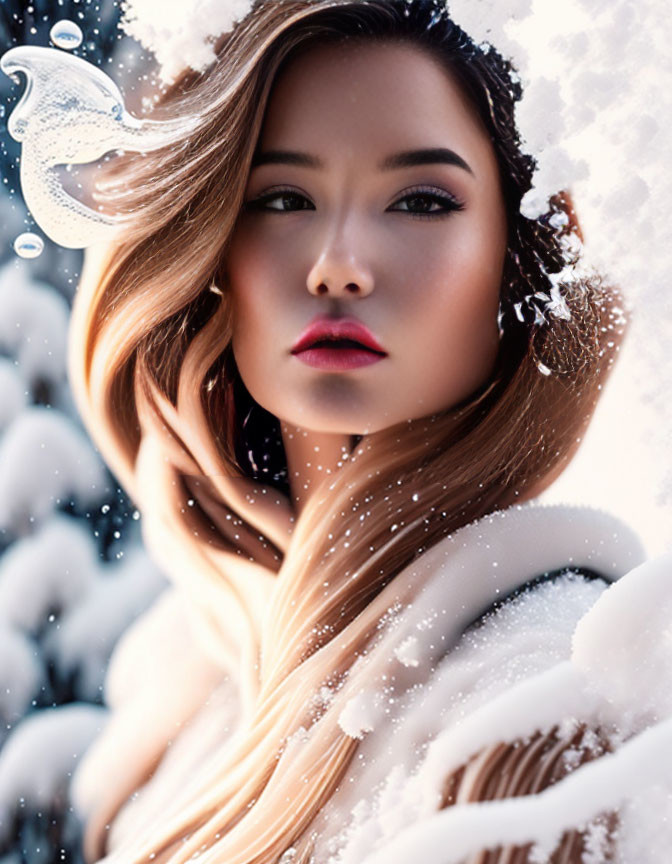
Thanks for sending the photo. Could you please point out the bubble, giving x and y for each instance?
(66, 34)
(28, 245)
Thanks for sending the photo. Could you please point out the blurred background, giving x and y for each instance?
(73, 571)
(598, 109)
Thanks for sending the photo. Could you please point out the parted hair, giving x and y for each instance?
(154, 376)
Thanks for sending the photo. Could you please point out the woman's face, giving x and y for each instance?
(339, 223)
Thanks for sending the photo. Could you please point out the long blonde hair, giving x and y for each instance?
(293, 602)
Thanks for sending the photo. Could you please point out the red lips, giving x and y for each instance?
(330, 329)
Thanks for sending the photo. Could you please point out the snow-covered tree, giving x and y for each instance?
(73, 571)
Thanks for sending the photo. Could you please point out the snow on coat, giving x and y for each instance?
(538, 625)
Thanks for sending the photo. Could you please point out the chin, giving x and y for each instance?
(334, 426)
(338, 421)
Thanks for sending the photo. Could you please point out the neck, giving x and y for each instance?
(312, 456)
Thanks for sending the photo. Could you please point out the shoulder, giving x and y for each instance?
(570, 582)
(510, 645)
(534, 621)
(477, 703)
(506, 553)
(569, 757)
(459, 736)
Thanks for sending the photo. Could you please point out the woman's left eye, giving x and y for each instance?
(282, 195)
(426, 198)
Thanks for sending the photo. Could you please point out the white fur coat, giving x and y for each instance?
(437, 691)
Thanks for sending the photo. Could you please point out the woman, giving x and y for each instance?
(329, 371)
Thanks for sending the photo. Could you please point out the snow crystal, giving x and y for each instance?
(180, 34)
(360, 714)
(527, 636)
(596, 842)
(489, 20)
(408, 652)
(321, 699)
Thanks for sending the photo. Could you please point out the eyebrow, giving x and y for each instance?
(406, 159)
(428, 156)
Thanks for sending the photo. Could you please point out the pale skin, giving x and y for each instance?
(351, 239)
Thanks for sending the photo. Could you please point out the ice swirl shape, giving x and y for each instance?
(72, 113)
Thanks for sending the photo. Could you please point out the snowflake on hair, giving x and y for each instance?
(181, 34)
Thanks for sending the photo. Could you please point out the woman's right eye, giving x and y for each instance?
(286, 199)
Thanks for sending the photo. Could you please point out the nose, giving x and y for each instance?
(339, 273)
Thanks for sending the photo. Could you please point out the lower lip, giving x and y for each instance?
(338, 358)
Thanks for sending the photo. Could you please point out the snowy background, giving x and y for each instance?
(73, 571)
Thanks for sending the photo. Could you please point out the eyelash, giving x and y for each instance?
(451, 204)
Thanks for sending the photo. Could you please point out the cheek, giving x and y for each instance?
(250, 282)
(453, 310)
(254, 326)
(458, 281)
(460, 321)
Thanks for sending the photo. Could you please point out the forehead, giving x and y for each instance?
(367, 95)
